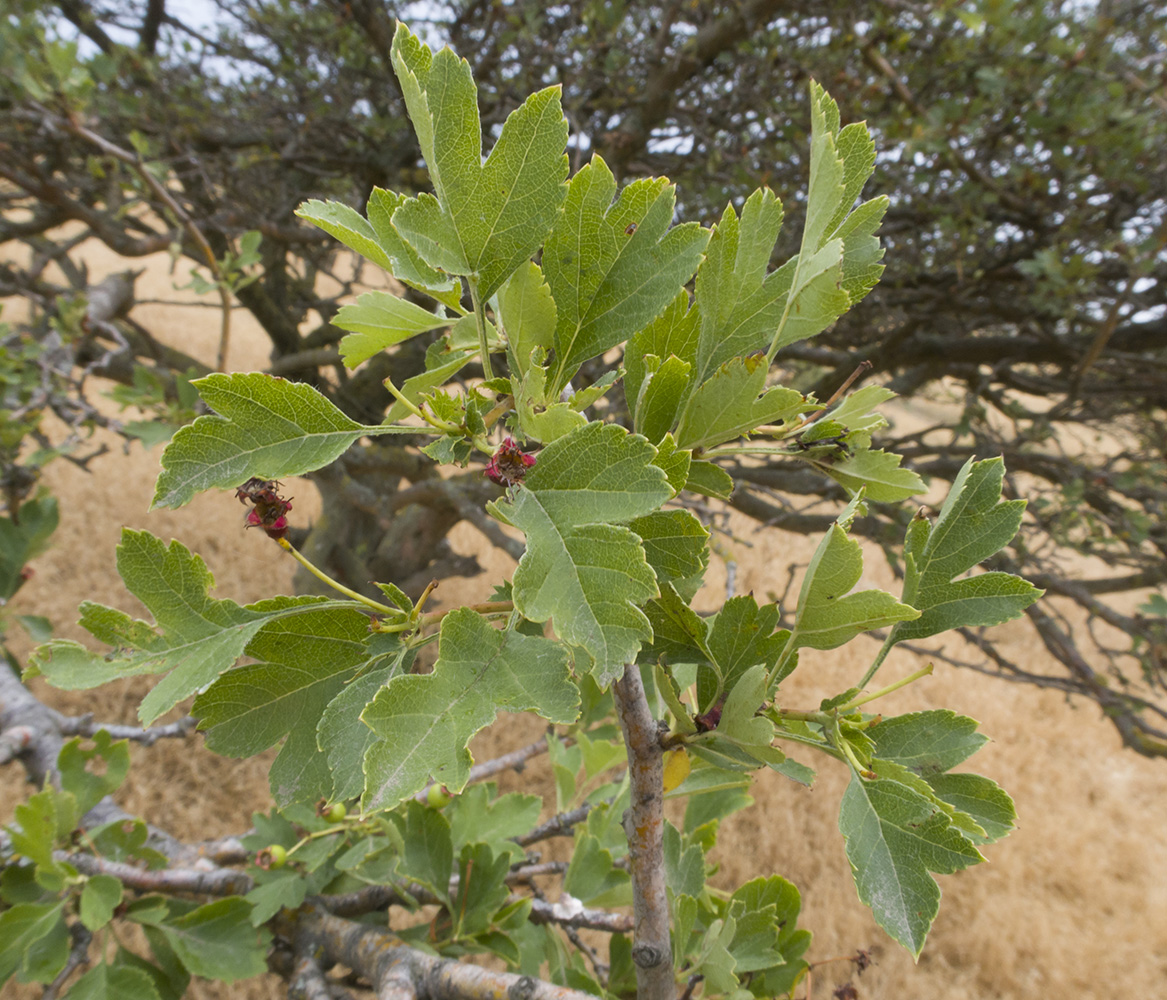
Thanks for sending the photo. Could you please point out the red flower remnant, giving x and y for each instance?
(269, 510)
(709, 720)
(509, 464)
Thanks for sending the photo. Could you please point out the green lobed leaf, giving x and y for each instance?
(877, 473)
(346, 224)
(34, 942)
(92, 773)
(612, 266)
(838, 262)
(984, 800)
(739, 305)
(379, 320)
(169, 983)
(125, 840)
(428, 851)
(262, 426)
(424, 723)
(735, 401)
(487, 219)
(857, 410)
(581, 568)
(894, 837)
(283, 889)
(217, 940)
(99, 898)
(580, 399)
(527, 313)
(482, 889)
(477, 816)
(973, 524)
(674, 463)
(684, 864)
(709, 480)
(927, 742)
(828, 613)
(537, 420)
(407, 263)
(592, 876)
(679, 634)
(304, 662)
(673, 333)
(676, 546)
(195, 639)
(714, 961)
(761, 909)
(781, 902)
(344, 738)
(968, 827)
(662, 392)
(376, 239)
(103, 981)
(741, 635)
(442, 360)
(23, 539)
(739, 719)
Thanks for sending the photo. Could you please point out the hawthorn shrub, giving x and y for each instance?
(535, 277)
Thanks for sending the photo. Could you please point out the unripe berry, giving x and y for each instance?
(438, 796)
(272, 856)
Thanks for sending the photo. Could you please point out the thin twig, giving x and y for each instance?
(557, 826)
(84, 725)
(212, 882)
(516, 760)
(135, 162)
(78, 957)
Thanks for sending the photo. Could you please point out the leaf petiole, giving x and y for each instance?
(878, 662)
(435, 617)
(480, 323)
(904, 682)
(417, 411)
(335, 585)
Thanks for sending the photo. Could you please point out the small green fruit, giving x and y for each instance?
(336, 812)
(438, 796)
(275, 856)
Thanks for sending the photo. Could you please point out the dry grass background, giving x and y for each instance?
(1073, 904)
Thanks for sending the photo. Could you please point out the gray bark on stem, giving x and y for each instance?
(398, 972)
(644, 826)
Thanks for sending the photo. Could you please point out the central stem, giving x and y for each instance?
(644, 825)
(480, 323)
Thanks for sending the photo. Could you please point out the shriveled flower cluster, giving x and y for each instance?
(509, 464)
(269, 509)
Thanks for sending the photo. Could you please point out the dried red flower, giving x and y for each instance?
(509, 464)
(270, 509)
(256, 489)
(707, 721)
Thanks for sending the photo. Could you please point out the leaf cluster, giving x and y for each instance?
(614, 557)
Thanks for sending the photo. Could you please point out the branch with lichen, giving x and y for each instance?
(644, 826)
(398, 972)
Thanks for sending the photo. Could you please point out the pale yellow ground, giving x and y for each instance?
(1073, 904)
